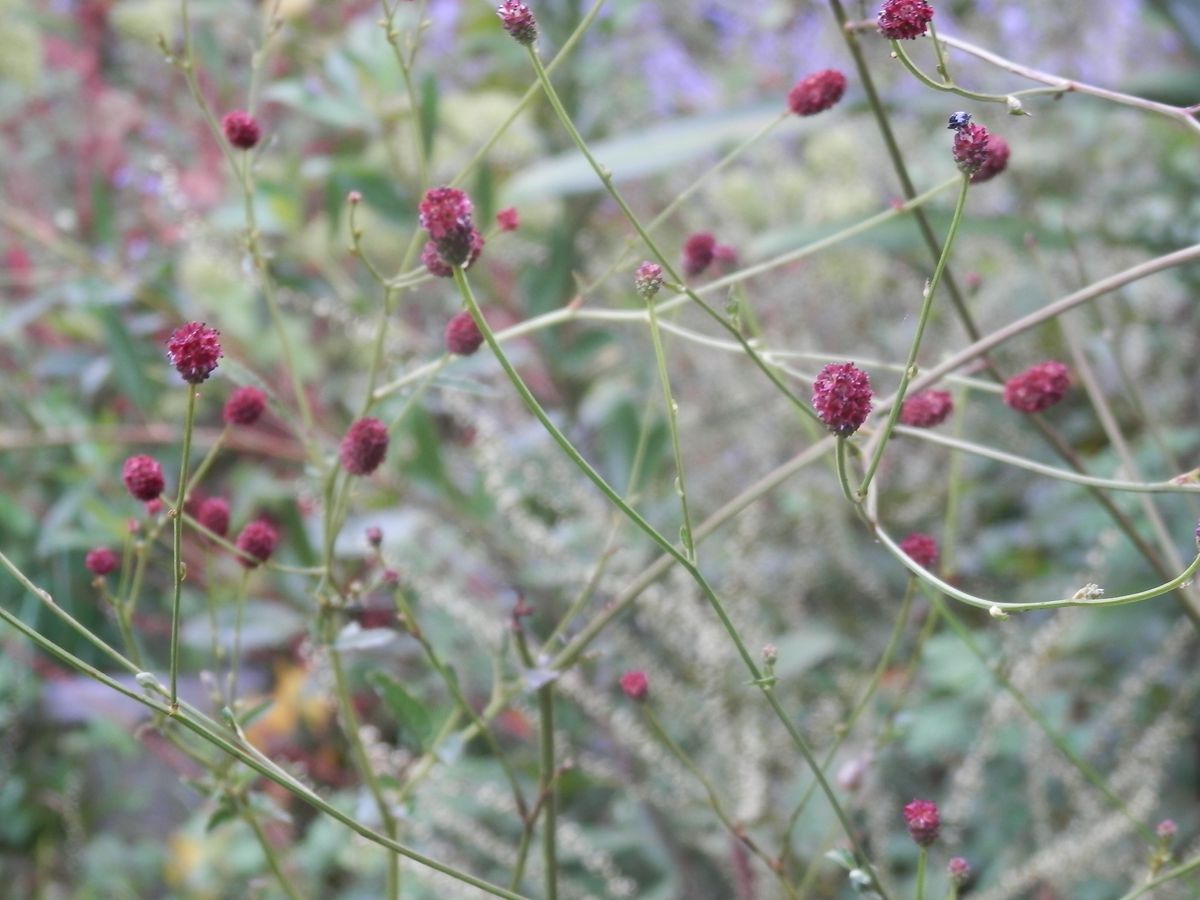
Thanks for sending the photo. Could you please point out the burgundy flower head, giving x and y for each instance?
(996, 161)
(434, 264)
(971, 148)
(374, 535)
(959, 871)
(925, 409)
(508, 219)
(635, 685)
(518, 21)
(143, 477)
(1038, 387)
(1165, 829)
(698, 252)
(194, 350)
(101, 561)
(154, 507)
(364, 446)
(923, 821)
(258, 540)
(241, 129)
(817, 93)
(842, 397)
(921, 548)
(904, 20)
(647, 280)
(213, 514)
(445, 212)
(463, 336)
(244, 406)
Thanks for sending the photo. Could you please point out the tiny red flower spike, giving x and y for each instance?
(1165, 829)
(154, 507)
(1038, 387)
(971, 148)
(241, 129)
(923, 821)
(101, 561)
(996, 162)
(364, 446)
(258, 540)
(445, 212)
(698, 252)
(647, 280)
(959, 871)
(817, 93)
(921, 549)
(374, 535)
(508, 219)
(463, 336)
(925, 409)
(518, 21)
(842, 397)
(144, 477)
(194, 350)
(635, 685)
(245, 406)
(904, 20)
(213, 514)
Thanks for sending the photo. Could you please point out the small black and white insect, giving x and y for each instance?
(959, 120)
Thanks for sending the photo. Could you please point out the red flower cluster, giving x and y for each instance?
(463, 336)
(923, 821)
(921, 548)
(143, 476)
(817, 93)
(244, 406)
(647, 280)
(194, 350)
(364, 446)
(971, 148)
(258, 540)
(698, 252)
(518, 21)
(101, 561)
(635, 685)
(213, 514)
(241, 129)
(842, 397)
(996, 161)
(926, 409)
(1038, 387)
(445, 212)
(904, 20)
(508, 219)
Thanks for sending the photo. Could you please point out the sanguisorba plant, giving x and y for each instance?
(584, 711)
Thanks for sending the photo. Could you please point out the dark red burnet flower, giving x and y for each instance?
(257, 541)
(241, 129)
(842, 397)
(647, 280)
(970, 149)
(996, 161)
(923, 821)
(635, 684)
(518, 21)
(925, 409)
(194, 350)
(1038, 387)
(245, 406)
(508, 219)
(959, 871)
(921, 548)
(374, 535)
(154, 507)
(143, 476)
(364, 446)
(434, 264)
(213, 514)
(698, 252)
(101, 561)
(445, 212)
(817, 92)
(463, 336)
(904, 20)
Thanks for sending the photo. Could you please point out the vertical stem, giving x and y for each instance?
(177, 543)
(689, 545)
(910, 365)
(235, 654)
(269, 852)
(922, 859)
(549, 788)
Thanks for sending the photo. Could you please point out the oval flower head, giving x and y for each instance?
(842, 397)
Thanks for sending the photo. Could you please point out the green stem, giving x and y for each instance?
(269, 852)
(235, 658)
(664, 378)
(922, 859)
(363, 763)
(206, 463)
(1170, 875)
(910, 365)
(668, 547)
(177, 542)
(547, 774)
(840, 463)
